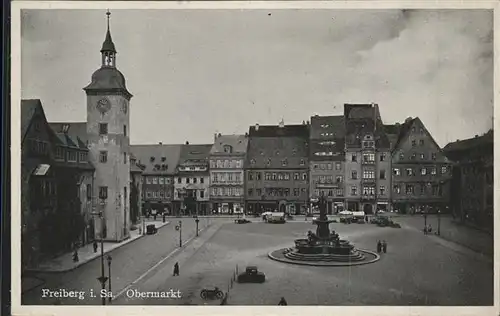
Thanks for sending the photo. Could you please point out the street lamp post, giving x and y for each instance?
(439, 223)
(425, 219)
(197, 220)
(102, 279)
(180, 234)
(109, 274)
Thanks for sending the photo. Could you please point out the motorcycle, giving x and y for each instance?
(211, 294)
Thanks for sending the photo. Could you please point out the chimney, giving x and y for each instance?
(308, 122)
(219, 135)
(160, 143)
(475, 136)
(303, 122)
(408, 119)
(215, 137)
(256, 127)
(246, 134)
(187, 143)
(282, 123)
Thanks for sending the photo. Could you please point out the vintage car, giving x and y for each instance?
(251, 275)
(241, 221)
(151, 229)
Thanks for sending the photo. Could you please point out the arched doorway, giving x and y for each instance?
(282, 208)
(368, 209)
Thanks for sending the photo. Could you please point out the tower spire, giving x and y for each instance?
(108, 50)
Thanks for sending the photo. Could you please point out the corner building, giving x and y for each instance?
(108, 124)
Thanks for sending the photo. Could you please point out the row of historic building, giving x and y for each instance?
(354, 160)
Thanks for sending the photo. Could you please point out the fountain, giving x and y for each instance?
(323, 248)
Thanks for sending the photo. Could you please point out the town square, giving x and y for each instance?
(289, 163)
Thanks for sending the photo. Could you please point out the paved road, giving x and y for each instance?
(129, 263)
(416, 270)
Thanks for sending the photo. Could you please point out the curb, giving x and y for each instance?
(304, 263)
(89, 260)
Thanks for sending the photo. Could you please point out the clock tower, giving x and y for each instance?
(108, 123)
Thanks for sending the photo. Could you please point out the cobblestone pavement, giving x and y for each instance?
(129, 262)
(415, 271)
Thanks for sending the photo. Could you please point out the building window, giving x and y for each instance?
(422, 156)
(71, 155)
(413, 156)
(354, 175)
(413, 143)
(284, 162)
(148, 180)
(59, 153)
(382, 157)
(382, 190)
(103, 193)
(354, 190)
(354, 158)
(368, 190)
(161, 180)
(296, 192)
(409, 171)
(155, 180)
(103, 156)
(187, 180)
(370, 158)
(338, 166)
(423, 171)
(252, 161)
(339, 179)
(195, 180)
(103, 128)
(83, 157)
(258, 192)
(228, 149)
(329, 166)
(179, 180)
(368, 174)
(202, 194)
(250, 176)
(382, 174)
(302, 162)
(296, 176)
(433, 171)
(397, 189)
(339, 192)
(275, 176)
(422, 189)
(89, 192)
(435, 189)
(250, 192)
(258, 175)
(401, 156)
(421, 142)
(396, 171)
(202, 180)
(409, 189)
(304, 176)
(444, 169)
(433, 156)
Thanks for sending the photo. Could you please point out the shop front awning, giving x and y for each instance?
(41, 170)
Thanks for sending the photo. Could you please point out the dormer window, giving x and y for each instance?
(302, 162)
(228, 149)
(252, 162)
(284, 162)
(163, 159)
(65, 128)
(152, 159)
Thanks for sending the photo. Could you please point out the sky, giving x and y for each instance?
(197, 72)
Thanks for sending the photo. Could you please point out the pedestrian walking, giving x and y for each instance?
(384, 246)
(75, 256)
(176, 269)
(425, 230)
(379, 247)
(95, 246)
(282, 302)
(430, 229)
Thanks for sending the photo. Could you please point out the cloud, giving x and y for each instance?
(194, 72)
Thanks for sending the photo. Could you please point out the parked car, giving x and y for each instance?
(251, 275)
(241, 221)
(151, 229)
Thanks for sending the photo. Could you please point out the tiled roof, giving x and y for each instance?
(28, 110)
(72, 134)
(471, 143)
(329, 126)
(238, 143)
(334, 146)
(262, 150)
(163, 155)
(277, 131)
(195, 154)
(108, 79)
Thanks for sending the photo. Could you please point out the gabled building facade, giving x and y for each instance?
(160, 166)
(277, 168)
(192, 180)
(227, 177)
(327, 160)
(367, 152)
(421, 173)
(472, 184)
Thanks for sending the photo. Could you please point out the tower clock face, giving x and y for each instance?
(124, 106)
(103, 105)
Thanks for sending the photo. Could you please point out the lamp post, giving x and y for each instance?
(439, 223)
(180, 234)
(109, 274)
(425, 218)
(102, 279)
(197, 220)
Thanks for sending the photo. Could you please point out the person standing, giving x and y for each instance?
(282, 302)
(95, 246)
(176, 269)
(379, 247)
(384, 246)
